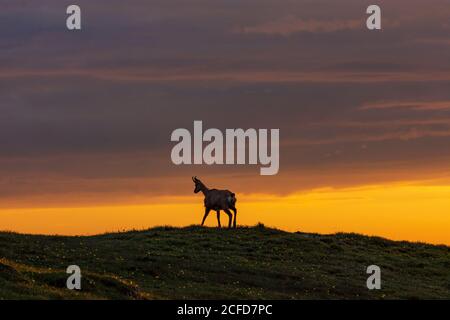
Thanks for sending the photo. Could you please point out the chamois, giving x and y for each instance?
(217, 200)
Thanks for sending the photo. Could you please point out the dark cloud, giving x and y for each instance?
(92, 111)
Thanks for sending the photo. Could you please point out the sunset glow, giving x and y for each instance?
(401, 212)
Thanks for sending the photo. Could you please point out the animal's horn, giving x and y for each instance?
(193, 179)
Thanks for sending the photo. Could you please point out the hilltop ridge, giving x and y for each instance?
(209, 263)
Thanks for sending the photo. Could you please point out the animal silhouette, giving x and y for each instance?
(217, 200)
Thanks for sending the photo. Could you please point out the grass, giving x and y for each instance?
(210, 263)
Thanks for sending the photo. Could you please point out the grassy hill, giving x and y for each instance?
(206, 263)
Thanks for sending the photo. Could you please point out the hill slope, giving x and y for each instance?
(206, 263)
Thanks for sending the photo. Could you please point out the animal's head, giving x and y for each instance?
(198, 185)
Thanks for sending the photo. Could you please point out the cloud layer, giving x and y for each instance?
(88, 115)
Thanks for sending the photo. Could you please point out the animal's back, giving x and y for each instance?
(220, 199)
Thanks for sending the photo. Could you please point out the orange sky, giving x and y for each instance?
(396, 211)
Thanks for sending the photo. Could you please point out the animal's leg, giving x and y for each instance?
(230, 217)
(235, 214)
(218, 217)
(206, 214)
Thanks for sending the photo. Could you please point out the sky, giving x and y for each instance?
(364, 116)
